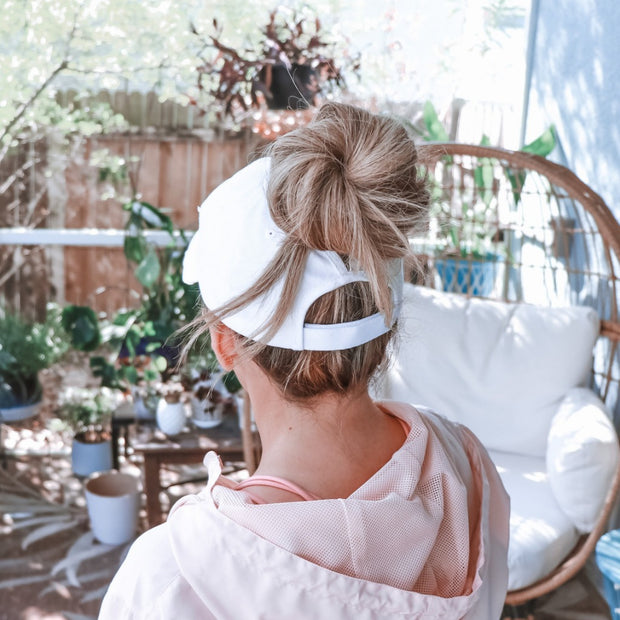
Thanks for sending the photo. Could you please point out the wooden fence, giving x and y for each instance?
(174, 173)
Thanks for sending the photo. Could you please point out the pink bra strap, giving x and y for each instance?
(277, 483)
(406, 427)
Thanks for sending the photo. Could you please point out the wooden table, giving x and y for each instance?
(186, 448)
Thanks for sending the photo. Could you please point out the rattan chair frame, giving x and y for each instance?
(609, 230)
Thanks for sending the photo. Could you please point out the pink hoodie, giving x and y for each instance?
(425, 537)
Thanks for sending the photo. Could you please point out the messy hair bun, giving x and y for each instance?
(349, 182)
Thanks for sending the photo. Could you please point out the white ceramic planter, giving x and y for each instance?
(87, 458)
(171, 417)
(206, 405)
(205, 412)
(113, 502)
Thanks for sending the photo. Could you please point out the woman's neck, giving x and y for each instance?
(329, 446)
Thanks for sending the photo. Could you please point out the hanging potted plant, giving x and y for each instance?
(211, 391)
(88, 412)
(25, 349)
(290, 69)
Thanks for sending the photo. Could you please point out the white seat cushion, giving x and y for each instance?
(541, 535)
(500, 369)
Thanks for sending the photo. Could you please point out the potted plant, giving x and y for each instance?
(211, 391)
(469, 227)
(88, 411)
(469, 236)
(25, 349)
(291, 68)
(142, 342)
(208, 396)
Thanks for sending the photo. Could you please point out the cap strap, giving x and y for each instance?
(339, 336)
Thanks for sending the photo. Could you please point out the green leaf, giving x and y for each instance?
(231, 382)
(147, 272)
(152, 346)
(487, 175)
(123, 319)
(160, 362)
(22, 581)
(483, 178)
(79, 557)
(107, 372)
(436, 131)
(454, 236)
(149, 329)
(132, 340)
(150, 374)
(135, 248)
(151, 216)
(517, 180)
(82, 325)
(544, 144)
(48, 530)
(130, 373)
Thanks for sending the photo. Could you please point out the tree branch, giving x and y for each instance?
(18, 174)
(22, 110)
(59, 68)
(74, 69)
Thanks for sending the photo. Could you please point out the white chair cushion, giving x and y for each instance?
(582, 456)
(500, 369)
(541, 535)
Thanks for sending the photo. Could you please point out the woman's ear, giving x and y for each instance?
(224, 345)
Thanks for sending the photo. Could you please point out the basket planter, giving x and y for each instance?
(113, 502)
(468, 276)
(90, 457)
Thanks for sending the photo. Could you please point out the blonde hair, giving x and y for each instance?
(347, 182)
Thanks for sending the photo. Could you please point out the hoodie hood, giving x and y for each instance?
(425, 537)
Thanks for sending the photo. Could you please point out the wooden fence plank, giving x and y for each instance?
(175, 173)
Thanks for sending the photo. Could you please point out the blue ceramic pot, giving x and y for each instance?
(468, 275)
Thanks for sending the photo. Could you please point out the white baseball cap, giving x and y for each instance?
(235, 242)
